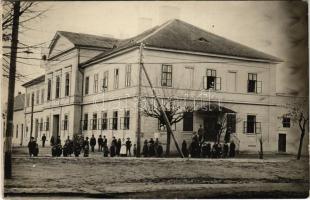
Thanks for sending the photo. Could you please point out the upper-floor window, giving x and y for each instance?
(286, 122)
(57, 94)
(41, 124)
(105, 81)
(128, 76)
(28, 100)
(166, 75)
(38, 97)
(87, 85)
(42, 96)
(116, 78)
(188, 121)
(67, 84)
(95, 83)
(254, 86)
(49, 89)
(211, 81)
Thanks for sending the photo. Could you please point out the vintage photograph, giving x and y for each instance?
(155, 99)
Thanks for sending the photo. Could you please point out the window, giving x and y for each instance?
(104, 123)
(105, 81)
(86, 85)
(231, 122)
(47, 125)
(114, 120)
(286, 122)
(67, 85)
(166, 75)
(254, 86)
(126, 120)
(211, 81)
(128, 76)
(95, 83)
(251, 126)
(16, 131)
(28, 100)
(57, 87)
(94, 122)
(116, 78)
(42, 96)
(41, 124)
(49, 88)
(85, 122)
(65, 123)
(38, 97)
(188, 121)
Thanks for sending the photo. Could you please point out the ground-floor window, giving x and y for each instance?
(115, 120)
(65, 123)
(104, 121)
(94, 122)
(250, 124)
(188, 121)
(85, 122)
(126, 120)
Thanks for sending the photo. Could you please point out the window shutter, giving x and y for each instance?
(205, 82)
(218, 83)
(259, 87)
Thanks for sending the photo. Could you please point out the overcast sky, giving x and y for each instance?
(275, 27)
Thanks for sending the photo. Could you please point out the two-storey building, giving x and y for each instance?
(91, 86)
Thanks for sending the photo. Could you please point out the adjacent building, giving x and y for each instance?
(91, 87)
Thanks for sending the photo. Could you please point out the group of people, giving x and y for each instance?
(152, 148)
(33, 147)
(203, 149)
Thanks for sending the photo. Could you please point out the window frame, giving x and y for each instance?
(67, 84)
(96, 81)
(128, 75)
(49, 89)
(94, 124)
(57, 88)
(116, 78)
(86, 85)
(286, 122)
(164, 75)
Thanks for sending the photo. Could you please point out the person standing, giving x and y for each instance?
(43, 140)
(31, 146)
(145, 150)
(52, 141)
(92, 143)
(100, 143)
(200, 133)
(105, 141)
(128, 147)
(118, 146)
(184, 148)
(152, 148)
(58, 141)
(135, 150)
(232, 149)
(86, 147)
(225, 150)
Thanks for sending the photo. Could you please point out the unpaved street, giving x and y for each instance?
(157, 177)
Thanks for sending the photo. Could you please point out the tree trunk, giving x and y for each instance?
(300, 144)
(168, 143)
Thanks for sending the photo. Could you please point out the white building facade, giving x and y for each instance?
(91, 87)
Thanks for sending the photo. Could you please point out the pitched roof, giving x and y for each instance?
(34, 81)
(179, 35)
(82, 39)
(19, 102)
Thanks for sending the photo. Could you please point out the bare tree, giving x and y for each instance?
(298, 114)
(172, 108)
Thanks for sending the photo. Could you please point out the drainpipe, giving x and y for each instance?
(82, 90)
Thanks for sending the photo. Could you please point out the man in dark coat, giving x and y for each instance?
(113, 149)
(105, 141)
(100, 143)
(208, 150)
(152, 148)
(225, 150)
(43, 140)
(232, 149)
(118, 146)
(86, 147)
(76, 146)
(52, 142)
(200, 133)
(159, 150)
(58, 141)
(184, 148)
(128, 147)
(31, 146)
(145, 149)
(92, 143)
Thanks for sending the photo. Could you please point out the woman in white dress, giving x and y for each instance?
(123, 149)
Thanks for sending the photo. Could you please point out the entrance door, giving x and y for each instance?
(210, 122)
(282, 143)
(55, 126)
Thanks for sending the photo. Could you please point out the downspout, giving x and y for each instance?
(82, 91)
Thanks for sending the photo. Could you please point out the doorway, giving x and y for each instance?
(209, 122)
(55, 132)
(282, 143)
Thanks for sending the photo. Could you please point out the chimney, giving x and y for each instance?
(167, 13)
(144, 23)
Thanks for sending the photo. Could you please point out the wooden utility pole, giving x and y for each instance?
(11, 91)
(31, 116)
(138, 134)
(168, 125)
